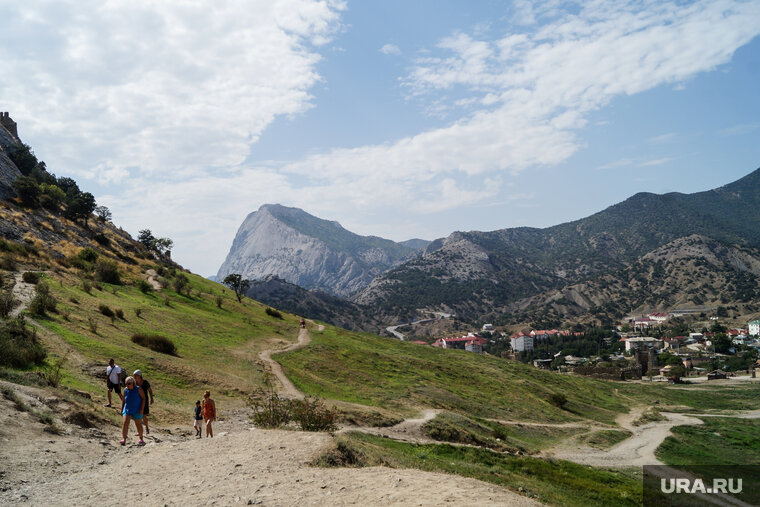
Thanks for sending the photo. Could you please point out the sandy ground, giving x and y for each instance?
(241, 465)
(23, 292)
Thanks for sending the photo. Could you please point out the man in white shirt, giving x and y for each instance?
(113, 380)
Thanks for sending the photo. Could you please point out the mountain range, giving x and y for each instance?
(599, 267)
(310, 252)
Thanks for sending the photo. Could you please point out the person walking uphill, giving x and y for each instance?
(113, 380)
(148, 392)
(209, 413)
(132, 408)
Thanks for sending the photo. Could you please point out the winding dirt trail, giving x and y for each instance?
(638, 450)
(287, 389)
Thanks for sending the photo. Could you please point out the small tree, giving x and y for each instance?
(28, 191)
(236, 282)
(103, 213)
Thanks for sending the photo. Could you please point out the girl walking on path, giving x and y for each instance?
(132, 409)
(209, 413)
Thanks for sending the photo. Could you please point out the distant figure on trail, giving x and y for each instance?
(209, 413)
(131, 408)
(113, 381)
(303, 324)
(148, 392)
(197, 418)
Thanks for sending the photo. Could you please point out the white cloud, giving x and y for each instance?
(390, 49)
(540, 86)
(166, 87)
(663, 138)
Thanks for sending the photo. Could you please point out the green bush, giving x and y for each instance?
(106, 271)
(20, 346)
(86, 286)
(156, 343)
(43, 301)
(558, 400)
(106, 310)
(88, 254)
(119, 313)
(30, 277)
(144, 286)
(312, 415)
(271, 411)
(8, 264)
(7, 303)
(273, 313)
(101, 239)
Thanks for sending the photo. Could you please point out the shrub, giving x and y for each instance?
(7, 303)
(119, 313)
(101, 239)
(74, 300)
(31, 277)
(86, 286)
(219, 300)
(179, 283)
(312, 415)
(88, 254)
(144, 286)
(273, 313)
(93, 325)
(106, 310)
(54, 373)
(271, 411)
(19, 344)
(106, 271)
(156, 343)
(43, 301)
(558, 400)
(138, 312)
(8, 264)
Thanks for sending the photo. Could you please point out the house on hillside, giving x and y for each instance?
(521, 342)
(471, 342)
(487, 327)
(754, 328)
(659, 317)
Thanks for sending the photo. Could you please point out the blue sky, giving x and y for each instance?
(399, 119)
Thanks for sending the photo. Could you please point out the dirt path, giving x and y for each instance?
(152, 279)
(638, 450)
(287, 389)
(408, 430)
(23, 292)
(250, 467)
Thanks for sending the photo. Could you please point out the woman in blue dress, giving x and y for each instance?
(132, 409)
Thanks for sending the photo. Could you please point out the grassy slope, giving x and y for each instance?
(554, 482)
(370, 370)
(719, 441)
(218, 348)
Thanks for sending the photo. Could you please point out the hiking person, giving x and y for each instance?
(113, 381)
(131, 408)
(209, 413)
(197, 418)
(303, 324)
(148, 392)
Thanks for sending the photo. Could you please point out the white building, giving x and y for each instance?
(637, 342)
(521, 343)
(754, 328)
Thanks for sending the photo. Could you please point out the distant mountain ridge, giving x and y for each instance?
(310, 252)
(474, 273)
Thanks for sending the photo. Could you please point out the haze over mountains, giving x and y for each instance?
(519, 274)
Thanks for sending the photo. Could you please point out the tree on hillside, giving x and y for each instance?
(80, 206)
(103, 213)
(235, 282)
(27, 190)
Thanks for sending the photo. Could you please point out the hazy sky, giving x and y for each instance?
(396, 118)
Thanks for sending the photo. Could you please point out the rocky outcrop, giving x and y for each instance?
(308, 251)
(8, 170)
